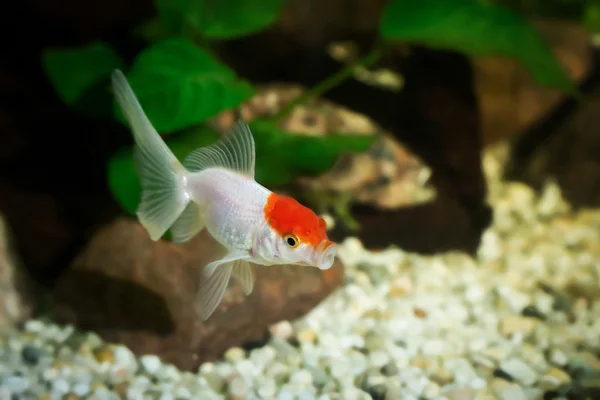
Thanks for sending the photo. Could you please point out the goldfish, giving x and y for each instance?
(214, 188)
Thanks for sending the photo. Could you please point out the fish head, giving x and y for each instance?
(297, 235)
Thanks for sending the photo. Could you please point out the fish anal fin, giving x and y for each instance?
(242, 271)
(189, 223)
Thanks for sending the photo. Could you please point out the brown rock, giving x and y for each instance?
(510, 100)
(140, 293)
(15, 287)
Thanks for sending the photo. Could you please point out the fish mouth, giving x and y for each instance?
(326, 252)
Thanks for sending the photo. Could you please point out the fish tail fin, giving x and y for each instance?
(163, 178)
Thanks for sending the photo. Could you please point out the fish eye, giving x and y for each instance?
(292, 241)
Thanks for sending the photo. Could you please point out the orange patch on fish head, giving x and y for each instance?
(287, 216)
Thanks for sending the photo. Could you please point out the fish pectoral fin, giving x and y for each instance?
(242, 271)
(189, 223)
(213, 283)
(234, 150)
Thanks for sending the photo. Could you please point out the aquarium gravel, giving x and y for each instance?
(520, 321)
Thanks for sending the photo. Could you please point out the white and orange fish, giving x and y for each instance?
(215, 189)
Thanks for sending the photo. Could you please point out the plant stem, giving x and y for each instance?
(332, 81)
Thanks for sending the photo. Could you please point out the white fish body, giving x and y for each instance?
(215, 189)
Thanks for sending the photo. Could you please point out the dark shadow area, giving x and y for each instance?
(442, 225)
(565, 146)
(95, 301)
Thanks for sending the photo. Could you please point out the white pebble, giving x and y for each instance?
(34, 326)
(433, 347)
(81, 389)
(302, 377)
(15, 384)
(558, 357)
(282, 330)
(166, 396)
(235, 354)
(519, 370)
(378, 359)
(151, 364)
(125, 358)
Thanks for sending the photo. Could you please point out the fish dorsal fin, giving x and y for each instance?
(234, 150)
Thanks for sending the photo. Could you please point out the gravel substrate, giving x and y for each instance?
(519, 322)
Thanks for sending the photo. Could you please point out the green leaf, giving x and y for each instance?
(74, 72)
(591, 17)
(476, 28)
(218, 19)
(179, 84)
(280, 157)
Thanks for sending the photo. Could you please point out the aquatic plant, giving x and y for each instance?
(181, 84)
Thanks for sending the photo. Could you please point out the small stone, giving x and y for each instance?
(262, 357)
(433, 347)
(31, 354)
(267, 388)
(306, 335)
(208, 372)
(34, 326)
(516, 324)
(60, 386)
(533, 312)
(15, 384)
(585, 364)
(125, 358)
(151, 364)
(554, 378)
(358, 362)
(419, 312)
(183, 393)
(558, 357)
(432, 390)
(379, 359)
(511, 392)
(302, 377)
(170, 373)
(235, 354)
(238, 388)
(543, 302)
(442, 376)
(282, 330)
(390, 369)
(166, 396)
(376, 386)
(104, 354)
(474, 294)
(496, 353)
(460, 394)
(278, 372)
(246, 369)
(519, 370)
(401, 287)
(81, 389)
(340, 368)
